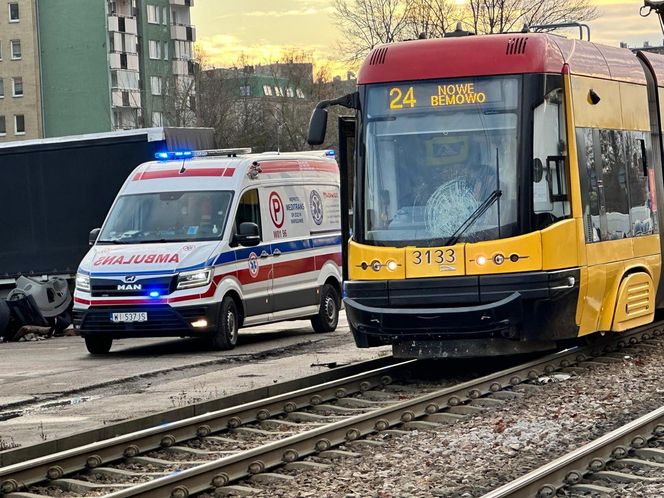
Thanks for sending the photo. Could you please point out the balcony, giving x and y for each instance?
(184, 3)
(126, 98)
(119, 24)
(123, 61)
(183, 32)
(183, 68)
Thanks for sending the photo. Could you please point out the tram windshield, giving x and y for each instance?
(437, 153)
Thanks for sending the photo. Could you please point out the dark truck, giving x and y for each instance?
(54, 191)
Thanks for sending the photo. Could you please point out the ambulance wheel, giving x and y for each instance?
(328, 315)
(98, 345)
(225, 336)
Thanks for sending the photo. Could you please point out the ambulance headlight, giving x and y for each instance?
(82, 282)
(196, 278)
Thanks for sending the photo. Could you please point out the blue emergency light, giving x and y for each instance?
(330, 153)
(180, 154)
(154, 294)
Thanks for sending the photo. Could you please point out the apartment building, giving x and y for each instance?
(98, 65)
(20, 100)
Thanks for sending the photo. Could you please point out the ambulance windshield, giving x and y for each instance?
(167, 217)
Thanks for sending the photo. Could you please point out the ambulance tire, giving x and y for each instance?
(225, 335)
(98, 345)
(328, 315)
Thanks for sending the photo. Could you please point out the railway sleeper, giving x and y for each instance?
(359, 403)
(271, 478)
(237, 490)
(637, 462)
(614, 476)
(486, 402)
(647, 453)
(76, 486)
(592, 488)
(507, 395)
(444, 418)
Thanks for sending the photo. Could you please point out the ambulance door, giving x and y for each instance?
(294, 272)
(255, 264)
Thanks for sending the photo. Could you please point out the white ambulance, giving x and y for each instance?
(204, 243)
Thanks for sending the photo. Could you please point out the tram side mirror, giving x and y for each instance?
(92, 237)
(593, 98)
(538, 170)
(317, 126)
(248, 235)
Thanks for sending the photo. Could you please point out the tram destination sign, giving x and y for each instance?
(499, 92)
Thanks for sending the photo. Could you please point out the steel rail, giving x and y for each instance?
(222, 471)
(571, 468)
(20, 475)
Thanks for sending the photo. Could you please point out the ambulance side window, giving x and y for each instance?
(249, 210)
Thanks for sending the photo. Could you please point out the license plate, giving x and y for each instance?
(129, 317)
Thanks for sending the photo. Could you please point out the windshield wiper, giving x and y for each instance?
(475, 215)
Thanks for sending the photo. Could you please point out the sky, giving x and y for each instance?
(262, 30)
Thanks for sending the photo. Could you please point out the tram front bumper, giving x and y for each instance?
(390, 324)
(496, 311)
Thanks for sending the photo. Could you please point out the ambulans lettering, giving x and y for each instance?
(137, 259)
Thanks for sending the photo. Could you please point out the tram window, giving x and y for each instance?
(589, 184)
(550, 202)
(614, 184)
(640, 177)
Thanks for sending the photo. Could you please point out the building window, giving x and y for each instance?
(164, 16)
(157, 119)
(16, 49)
(19, 124)
(17, 86)
(3, 126)
(299, 93)
(245, 91)
(153, 14)
(155, 49)
(13, 12)
(165, 51)
(267, 90)
(155, 83)
(2, 88)
(0, 50)
(290, 92)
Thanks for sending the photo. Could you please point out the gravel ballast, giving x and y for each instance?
(487, 450)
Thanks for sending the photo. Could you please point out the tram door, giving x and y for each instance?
(347, 174)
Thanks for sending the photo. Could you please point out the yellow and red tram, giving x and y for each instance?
(505, 193)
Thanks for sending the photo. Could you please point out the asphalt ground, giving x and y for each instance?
(54, 388)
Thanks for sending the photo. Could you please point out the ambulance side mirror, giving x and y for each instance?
(94, 234)
(248, 235)
(317, 126)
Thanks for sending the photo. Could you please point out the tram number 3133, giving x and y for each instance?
(437, 256)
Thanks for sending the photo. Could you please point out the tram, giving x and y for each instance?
(502, 193)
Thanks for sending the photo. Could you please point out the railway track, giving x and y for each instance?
(212, 451)
(632, 454)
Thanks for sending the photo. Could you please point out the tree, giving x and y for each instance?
(499, 16)
(236, 103)
(367, 23)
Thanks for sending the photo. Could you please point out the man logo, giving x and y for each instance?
(130, 278)
(127, 287)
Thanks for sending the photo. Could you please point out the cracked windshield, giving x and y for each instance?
(166, 217)
(440, 156)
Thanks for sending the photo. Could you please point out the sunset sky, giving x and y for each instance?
(263, 29)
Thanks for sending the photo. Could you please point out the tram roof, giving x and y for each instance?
(513, 53)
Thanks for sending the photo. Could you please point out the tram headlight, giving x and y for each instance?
(375, 265)
(392, 265)
(499, 259)
(481, 260)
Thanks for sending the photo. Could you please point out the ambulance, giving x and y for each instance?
(203, 243)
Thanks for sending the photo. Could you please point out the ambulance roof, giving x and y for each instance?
(230, 173)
